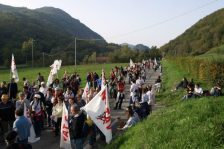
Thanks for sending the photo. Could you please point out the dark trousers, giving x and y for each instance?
(120, 98)
(57, 126)
(37, 124)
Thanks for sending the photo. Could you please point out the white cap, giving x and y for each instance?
(36, 96)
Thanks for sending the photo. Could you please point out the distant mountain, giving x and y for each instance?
(131, 46)
(200, 38)
(51, 28)
(140, 47)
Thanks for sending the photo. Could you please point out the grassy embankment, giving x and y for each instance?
(82, 70)
(194, 123)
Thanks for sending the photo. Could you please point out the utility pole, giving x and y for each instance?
(43, 59)
(32, 53)
(75, 52)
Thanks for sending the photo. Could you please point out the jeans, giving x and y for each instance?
(77, 143)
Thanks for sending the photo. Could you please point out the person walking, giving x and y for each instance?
(22, 126)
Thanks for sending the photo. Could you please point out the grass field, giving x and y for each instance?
(82, 70)
(194, 123)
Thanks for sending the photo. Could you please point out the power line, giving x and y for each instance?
(167, 20)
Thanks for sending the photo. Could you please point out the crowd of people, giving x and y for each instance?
(43, 105)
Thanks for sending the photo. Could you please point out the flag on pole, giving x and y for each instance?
(132, 64)
(65, 137)
(155, 62)
(103, 80)
(32, 138)
(85, 92)
(14, 70)
(54, 71)
(99, 111)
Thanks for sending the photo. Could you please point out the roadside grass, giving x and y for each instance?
(194, 123)
(82, 70)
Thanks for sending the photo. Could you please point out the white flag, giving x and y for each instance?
(85, 92)
(99, 111)
(132, 64)
(54, 70)
(65, 137)
(155, 62)
(14, 70)
(32, 138)
(103, 80)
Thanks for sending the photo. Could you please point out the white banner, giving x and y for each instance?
(54, 71)
(99, 111)
(132, 64)
(65, 137)
(14, 70)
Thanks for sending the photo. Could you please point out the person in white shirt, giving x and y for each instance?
(198, 91)
(22, 100)
(151, 100)
(144, 106)
(139, 83)
(43, 88)
(133, 92)
(68, 94)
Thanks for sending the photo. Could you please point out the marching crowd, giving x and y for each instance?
(42, 105)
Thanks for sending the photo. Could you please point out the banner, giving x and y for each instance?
(132, 64)
(14, 70)
(103, 79)
(54, 71)
(99, 111)
(65, 137)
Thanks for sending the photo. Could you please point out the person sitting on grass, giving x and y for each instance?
(190, 92)
(132, 118)
(182, 84)
(198, 91)
(216, 90)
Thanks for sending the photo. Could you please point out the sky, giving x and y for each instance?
(149, 22)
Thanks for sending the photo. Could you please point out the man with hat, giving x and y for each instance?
(36, 91)
(7, 114)
(36, 108)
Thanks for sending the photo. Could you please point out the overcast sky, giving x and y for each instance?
(150, 22)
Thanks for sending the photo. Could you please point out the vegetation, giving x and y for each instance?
(200, 38)
(195, 123)
(51, 33)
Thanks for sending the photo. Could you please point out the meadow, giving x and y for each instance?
(32, 73)
(193, 123)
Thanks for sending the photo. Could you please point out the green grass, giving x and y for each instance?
(82, 70)
(195, 123)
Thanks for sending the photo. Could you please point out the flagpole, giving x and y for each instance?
(10, 78)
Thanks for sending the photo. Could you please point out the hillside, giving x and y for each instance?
(200, 38)
(51, 28)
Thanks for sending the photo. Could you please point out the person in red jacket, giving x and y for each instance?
(120, 93)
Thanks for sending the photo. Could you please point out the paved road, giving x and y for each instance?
(49, 141)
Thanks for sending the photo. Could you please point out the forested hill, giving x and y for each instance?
(51, 28)
(200, 38)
